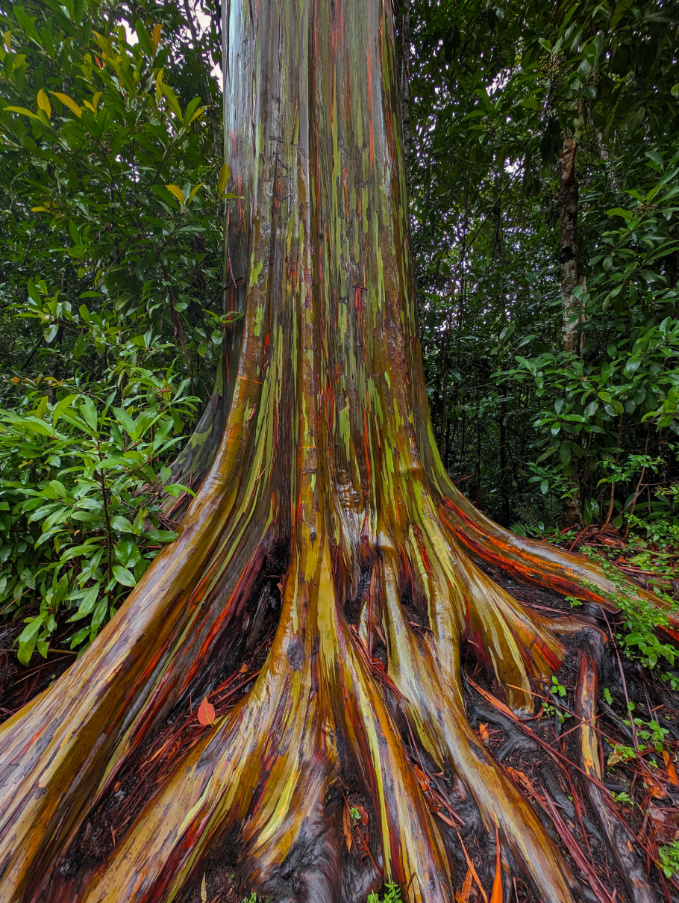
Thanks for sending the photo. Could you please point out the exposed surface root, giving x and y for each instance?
(266, 779)
(531, 561)
(621, 841)
(436, 710)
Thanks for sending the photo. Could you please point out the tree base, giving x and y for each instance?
(262, 799)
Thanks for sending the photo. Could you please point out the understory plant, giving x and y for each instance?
(82, 479)
(392, 894)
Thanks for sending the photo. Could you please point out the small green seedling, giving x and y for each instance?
(557, 688)
(392, 894)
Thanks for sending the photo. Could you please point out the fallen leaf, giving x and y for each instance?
(664, 822)
(500, 706)
(346, 824)
(463, 895)
(206, 713)
(483, 733)
(422, 778)
(669, 766)
(496, 896)
(656, 790)
(470, 865)
(203, 891)
(363, 815)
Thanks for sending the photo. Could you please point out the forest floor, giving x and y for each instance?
(538, 753)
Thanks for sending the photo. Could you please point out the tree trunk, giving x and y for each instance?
(504, 468)
(325, 508)
(570, 304)
(568, 254)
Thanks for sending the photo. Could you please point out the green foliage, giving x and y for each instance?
(82, 483)
(558, 688)
(649, 731)
(494, 92)
(392, 894)
(111, 298)
(109, 204)
(669, 858)
(641, 619)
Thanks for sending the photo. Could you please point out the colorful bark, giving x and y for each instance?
(327, 452)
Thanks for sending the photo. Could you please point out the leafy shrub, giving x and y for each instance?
(111, 201)
(81, 517)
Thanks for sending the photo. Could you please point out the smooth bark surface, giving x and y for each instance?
(326, 469)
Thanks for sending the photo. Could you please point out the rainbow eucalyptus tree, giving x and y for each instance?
(320, 489)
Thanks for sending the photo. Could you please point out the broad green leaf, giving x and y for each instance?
(177, 192)
(44, 103)
(124, 576)
(59, 489)
(68, 102)
(125, 421)
(88, 599)
(28, 638)
(21, 110)
(224, 173)
(171, 98)
(30, 423)
(89, 412)
(194, 191)
(60, 407)
(98, 616)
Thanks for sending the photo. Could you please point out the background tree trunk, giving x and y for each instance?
(570, 279)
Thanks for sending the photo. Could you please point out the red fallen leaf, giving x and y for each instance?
(483, 733)
(206, 713)
(346, 824)
(422, 778)
(663, 821)
(656, 790)
(363, 815)
(671, 771)
(464, 895)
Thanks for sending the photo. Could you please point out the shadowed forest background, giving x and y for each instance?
(542, 145)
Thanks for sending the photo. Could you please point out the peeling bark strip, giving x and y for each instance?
(327, 453)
